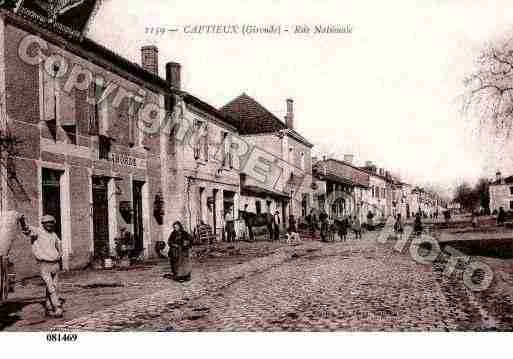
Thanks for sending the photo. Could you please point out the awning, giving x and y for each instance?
(341, 180)
(264, 192)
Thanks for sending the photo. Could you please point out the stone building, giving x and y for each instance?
(378, 198)
(501, 193)
(290, 190)
(204, 181)
(78, 152)
(340, 187)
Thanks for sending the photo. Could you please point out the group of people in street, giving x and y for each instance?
(341, 226)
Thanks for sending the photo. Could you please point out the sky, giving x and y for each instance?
(390, 92)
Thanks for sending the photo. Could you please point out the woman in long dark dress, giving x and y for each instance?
(180, 243)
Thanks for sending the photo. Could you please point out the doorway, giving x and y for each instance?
(137, 188)
(51, 196)
(100, 217)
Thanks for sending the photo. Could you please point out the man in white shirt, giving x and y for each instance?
(46, 247)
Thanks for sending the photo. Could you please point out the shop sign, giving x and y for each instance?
(127, 160)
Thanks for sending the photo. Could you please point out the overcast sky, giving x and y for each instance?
(387, 93)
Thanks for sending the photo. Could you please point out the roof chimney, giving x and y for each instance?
(174, 75)
(499, 178)
(150, 59)
(349, 158)
(289, 117)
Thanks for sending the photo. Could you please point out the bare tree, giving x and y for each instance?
(489, 93)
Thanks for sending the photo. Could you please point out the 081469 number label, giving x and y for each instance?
(61, 337)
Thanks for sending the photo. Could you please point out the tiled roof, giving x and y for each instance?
(202, 105)
(341, 172)
(251, 118)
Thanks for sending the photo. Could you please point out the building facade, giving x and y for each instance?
(204, 182)
(501, 193)
(289, 188)
(340, 188)
(76, 151)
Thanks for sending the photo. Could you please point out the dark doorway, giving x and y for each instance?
(214, 209)
(51, 196)
(138, 217)
(100, 216)
(407, 211)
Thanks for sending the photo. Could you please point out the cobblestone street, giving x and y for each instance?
(313, 286)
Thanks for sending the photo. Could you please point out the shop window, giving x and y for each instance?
(104, 147)
(511, 190)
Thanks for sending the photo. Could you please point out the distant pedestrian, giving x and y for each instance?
(247, 217)
(312, 222)
(323, 218)
(276, 225)
(357, 227)
(343, 226)
(229, 225)
(398, 225)
(473, 220)
(47, 248)
(370, 221)
(501, 217)
(417, 226)
(180, 243)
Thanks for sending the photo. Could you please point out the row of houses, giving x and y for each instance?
(341, 188)
(73, 145)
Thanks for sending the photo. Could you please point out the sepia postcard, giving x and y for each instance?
(255, 166)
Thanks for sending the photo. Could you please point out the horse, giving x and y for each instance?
(253, 220)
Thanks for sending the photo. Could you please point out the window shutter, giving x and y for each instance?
(67, 112)
(132, 122)
(93, 112)
(103, 116)
(49, 97)
(196, 139)
(205, 141)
